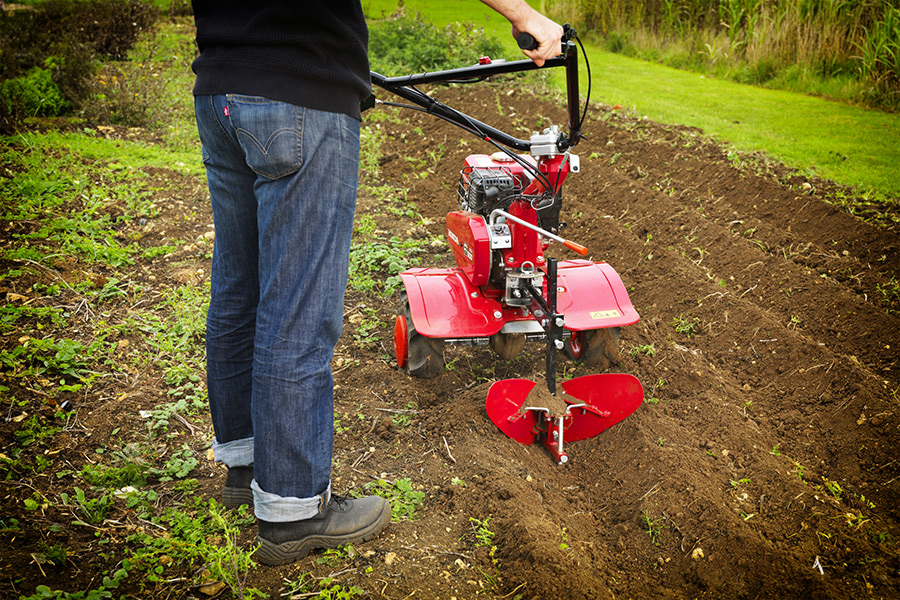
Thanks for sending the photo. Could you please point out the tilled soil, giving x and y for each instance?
(761, 464)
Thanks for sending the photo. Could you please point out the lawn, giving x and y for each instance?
(847, 144)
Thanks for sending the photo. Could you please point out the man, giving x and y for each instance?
(277, 105)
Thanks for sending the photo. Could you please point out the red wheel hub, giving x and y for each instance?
(401, 341)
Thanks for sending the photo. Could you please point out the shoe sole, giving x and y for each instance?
(234, 497)
(271, 554)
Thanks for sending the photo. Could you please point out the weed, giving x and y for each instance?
(856, 519)
(325, 589)
(54, 554)
(834, 488)
(366, 326)
(688, 326)
(403, 497)
(91, 511)
(483, 535)
(371, 257)
(775, 451)
(43, 592)
(333, 556)
(228, 561)
(646, 349)
(564, 536)
(404, 419)
(329, 590)
(51, 358)
(654, 528)
(739, 482)
(178, 466)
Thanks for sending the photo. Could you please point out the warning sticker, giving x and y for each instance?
(605, 314)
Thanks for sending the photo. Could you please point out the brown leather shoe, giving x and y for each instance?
(343, 521)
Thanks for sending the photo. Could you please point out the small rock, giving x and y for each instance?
(390, 557)
(697, 554)
(212, 589)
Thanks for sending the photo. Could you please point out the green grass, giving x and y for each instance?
(846, 144)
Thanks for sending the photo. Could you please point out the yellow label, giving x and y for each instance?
(605, 314)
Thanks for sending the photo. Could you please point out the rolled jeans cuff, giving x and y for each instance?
(279, 509)
(236, 453)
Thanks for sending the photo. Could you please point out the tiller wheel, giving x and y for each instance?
(586, 407)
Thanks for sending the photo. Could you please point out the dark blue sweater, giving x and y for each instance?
(310, 53)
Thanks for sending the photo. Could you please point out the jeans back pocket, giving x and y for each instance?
(270, 134)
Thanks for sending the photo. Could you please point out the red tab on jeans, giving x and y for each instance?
(226, 111)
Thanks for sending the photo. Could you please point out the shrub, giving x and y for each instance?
(33, 94)
(48, 53)
(409, 44)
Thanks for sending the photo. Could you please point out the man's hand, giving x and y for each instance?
(525, 19)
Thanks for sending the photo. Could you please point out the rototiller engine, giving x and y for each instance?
(504, 290)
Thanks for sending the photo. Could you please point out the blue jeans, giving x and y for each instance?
(283, 182)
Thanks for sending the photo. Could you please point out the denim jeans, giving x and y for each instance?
(283, 182)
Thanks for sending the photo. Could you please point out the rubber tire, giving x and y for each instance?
(425, 356)
(595, 348)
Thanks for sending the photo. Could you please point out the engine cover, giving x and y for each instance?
(470, 242)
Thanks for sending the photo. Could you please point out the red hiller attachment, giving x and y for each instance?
(587, 406)
(591, 405)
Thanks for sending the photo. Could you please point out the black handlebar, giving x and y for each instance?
(404, 86)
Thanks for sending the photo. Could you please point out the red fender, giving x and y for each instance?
(443, 303)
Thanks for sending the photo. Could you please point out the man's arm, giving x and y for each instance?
(525, 19)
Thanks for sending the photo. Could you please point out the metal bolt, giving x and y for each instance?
(560, 321)
(540, 259)
(498, 314)
(474, 294)
(539, 314)
(559, 344)
(511, 260)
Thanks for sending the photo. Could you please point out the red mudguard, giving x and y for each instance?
(444, 304)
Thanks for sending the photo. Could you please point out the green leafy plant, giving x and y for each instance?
(653, 527)
(646, 349)
(483, 535)
(688, 326)
(90, 510)
(228, 561)
(404, 499)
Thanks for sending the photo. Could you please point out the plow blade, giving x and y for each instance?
(608, 398)
(592, 404)
(504, 403)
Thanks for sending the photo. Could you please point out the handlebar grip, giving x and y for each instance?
(526, 41)
(575, 247)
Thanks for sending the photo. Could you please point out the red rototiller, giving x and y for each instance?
(504, 290)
